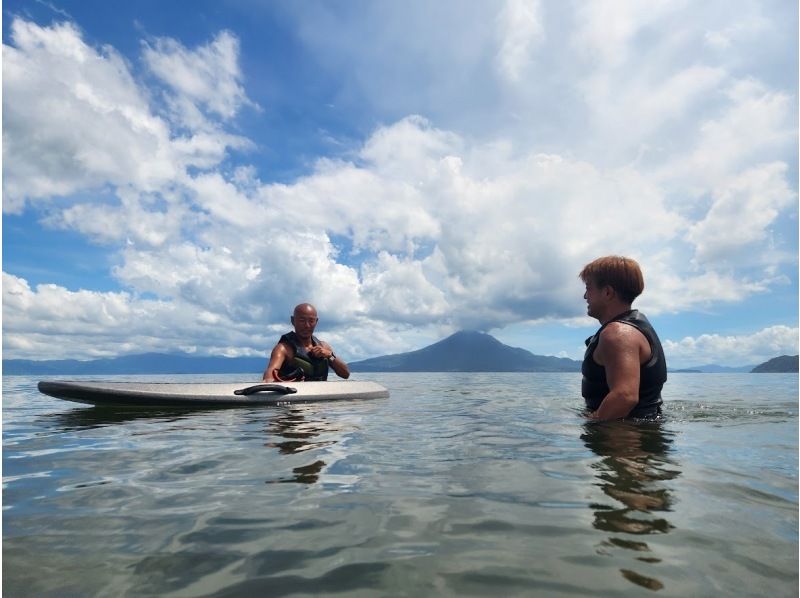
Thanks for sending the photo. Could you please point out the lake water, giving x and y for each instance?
(459, 484)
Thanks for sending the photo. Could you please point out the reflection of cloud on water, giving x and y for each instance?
(634, 464)
(301, 429)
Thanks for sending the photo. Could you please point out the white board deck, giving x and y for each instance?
(202, 394)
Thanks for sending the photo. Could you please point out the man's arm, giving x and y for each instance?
(325, 351)
(340, 367)
(277, 358)
(619, 350)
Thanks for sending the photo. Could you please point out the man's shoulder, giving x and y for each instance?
(620, 332)
(286, 342)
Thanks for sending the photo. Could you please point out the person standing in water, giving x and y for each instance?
(624, 368)
(299, 355)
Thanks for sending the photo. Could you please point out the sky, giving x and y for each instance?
(177, 176)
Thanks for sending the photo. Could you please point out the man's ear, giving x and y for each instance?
(609, 292)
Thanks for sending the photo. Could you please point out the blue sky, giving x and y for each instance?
(176, 176)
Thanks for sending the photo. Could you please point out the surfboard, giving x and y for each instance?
(208, 394)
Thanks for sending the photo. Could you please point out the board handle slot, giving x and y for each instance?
(279, 388)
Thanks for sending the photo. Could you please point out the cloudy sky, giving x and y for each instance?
(177, 176)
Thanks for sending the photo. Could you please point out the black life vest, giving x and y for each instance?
(313, 368)
(652, 375)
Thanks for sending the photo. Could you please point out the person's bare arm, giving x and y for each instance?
(620, 352)
(277, 358)
(325, 351)
(340, 367)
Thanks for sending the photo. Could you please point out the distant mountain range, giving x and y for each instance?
(713, 368)
(467, 351)
(778, 365)
(145, 363)
(464, 351)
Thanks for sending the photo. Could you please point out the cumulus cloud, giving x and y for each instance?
(485, 250)
(76, 119)
(741, 214)
(520, 29)
(737, 350)
(50, 321)
(724, 38)
(606, 31)
(754, 126)
(422, 228)
(207, 77)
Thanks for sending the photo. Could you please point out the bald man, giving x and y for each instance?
(299, 355)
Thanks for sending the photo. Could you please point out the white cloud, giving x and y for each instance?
(207, 76)
(76, 120)
(655, 151)
(51, 322)
(738, 350)
(741, 215)
(670, 291)
(520, 30)
(754, 126)
(723, 39)
(396, 288)
(606, 30)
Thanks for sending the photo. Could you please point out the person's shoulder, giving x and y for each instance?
(284, 344)
(281, 346)
(615, 333)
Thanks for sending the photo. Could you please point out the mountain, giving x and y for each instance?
(144, 363)
(713, 368)
(782, 364)
(467, 351)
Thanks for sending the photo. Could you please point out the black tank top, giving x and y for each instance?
(653, 374)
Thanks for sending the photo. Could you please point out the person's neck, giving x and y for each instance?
(305, 340)
(614, 311)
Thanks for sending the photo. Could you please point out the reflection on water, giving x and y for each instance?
(456, 485)
(288, 429)
(298, 434)
(635, 462)
(86, 418)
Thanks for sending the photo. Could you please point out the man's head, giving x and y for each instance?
(621, 274)
(304, 320)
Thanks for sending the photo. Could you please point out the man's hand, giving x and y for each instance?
(321, 351)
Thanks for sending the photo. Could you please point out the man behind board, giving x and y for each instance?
(624, 368)
(299, 355)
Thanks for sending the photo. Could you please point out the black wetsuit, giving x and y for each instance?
(313, 368)
(653, 374)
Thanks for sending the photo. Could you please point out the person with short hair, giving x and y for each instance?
(299, 355)
(624, 368)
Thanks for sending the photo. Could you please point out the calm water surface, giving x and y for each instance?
(459, 484)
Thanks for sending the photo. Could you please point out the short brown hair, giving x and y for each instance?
(620, 273)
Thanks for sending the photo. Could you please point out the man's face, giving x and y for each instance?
(304, 323)
(594, 296)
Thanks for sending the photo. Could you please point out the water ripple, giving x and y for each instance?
(468, 484)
